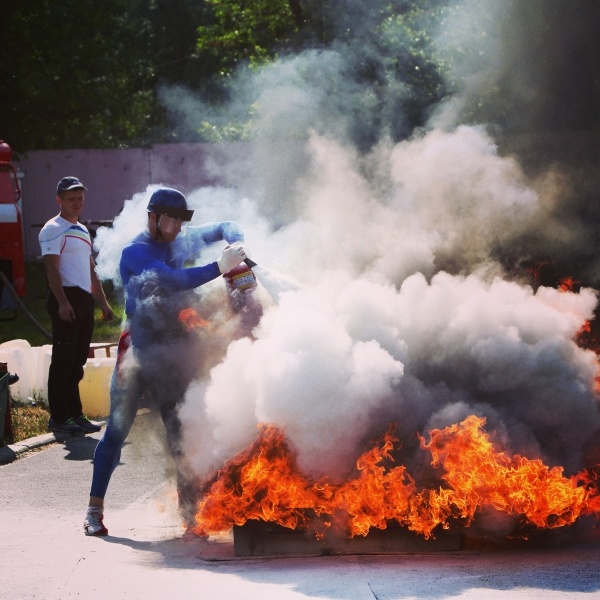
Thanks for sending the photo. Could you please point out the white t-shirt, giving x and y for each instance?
(72, 242)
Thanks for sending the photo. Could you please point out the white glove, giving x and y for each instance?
(231, 257)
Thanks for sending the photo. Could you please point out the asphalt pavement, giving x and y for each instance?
(45, 555)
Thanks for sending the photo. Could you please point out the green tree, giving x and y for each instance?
(390, 66)
(247, 31)
(72, 73)
(78, 73)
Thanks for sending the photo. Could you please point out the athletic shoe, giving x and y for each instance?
(87, 425)
(93, 524)
(69, 426)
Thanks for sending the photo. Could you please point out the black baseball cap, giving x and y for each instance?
(69, 183)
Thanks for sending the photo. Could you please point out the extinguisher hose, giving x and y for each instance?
(18, 300)
(250, 263)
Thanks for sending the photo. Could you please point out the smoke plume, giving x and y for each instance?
(401, 315)
(393, 287)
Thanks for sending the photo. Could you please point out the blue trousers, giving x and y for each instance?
(166, 386)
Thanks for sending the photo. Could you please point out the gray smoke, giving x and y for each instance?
(404, 305)
(377, 332)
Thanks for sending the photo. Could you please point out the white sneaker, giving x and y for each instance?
(93, 524)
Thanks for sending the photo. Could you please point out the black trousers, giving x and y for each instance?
(70, 348)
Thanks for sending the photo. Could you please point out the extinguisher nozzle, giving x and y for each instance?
(250, 263)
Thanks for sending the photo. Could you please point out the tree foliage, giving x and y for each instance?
(245, 31)
(78, 73)
(67, 79)
(389, 60)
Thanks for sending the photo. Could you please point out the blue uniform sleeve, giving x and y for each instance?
(136, 259)
(199, 236)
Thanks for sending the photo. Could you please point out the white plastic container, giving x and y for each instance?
(17, 355)
(94, 388)
(32, 364)
(41, 359)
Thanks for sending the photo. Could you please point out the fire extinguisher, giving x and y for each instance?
(240, 283)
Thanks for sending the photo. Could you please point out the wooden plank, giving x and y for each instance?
(257, 538)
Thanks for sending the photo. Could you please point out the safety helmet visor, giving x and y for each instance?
(176, 212)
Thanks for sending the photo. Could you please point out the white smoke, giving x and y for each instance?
(375, 329)
(378, 332)
(399, 309)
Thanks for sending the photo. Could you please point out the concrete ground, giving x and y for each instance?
(45, 555)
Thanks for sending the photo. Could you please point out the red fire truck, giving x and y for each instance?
(12, 252)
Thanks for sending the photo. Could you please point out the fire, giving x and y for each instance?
(375, 496)
(263, 482)
(567, 284)
(587, 336)
(191, 319)
(479, 476)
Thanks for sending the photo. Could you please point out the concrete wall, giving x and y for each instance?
(113, 176)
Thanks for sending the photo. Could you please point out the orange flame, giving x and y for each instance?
(191, 319)
(587, 336)
(263, 482)
(478, 476)
(567, 284)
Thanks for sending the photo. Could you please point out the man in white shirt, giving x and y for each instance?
(67, 253)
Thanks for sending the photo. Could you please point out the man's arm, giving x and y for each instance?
(141, 263)
(98, 293)
(65, 310)
(209, 233)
